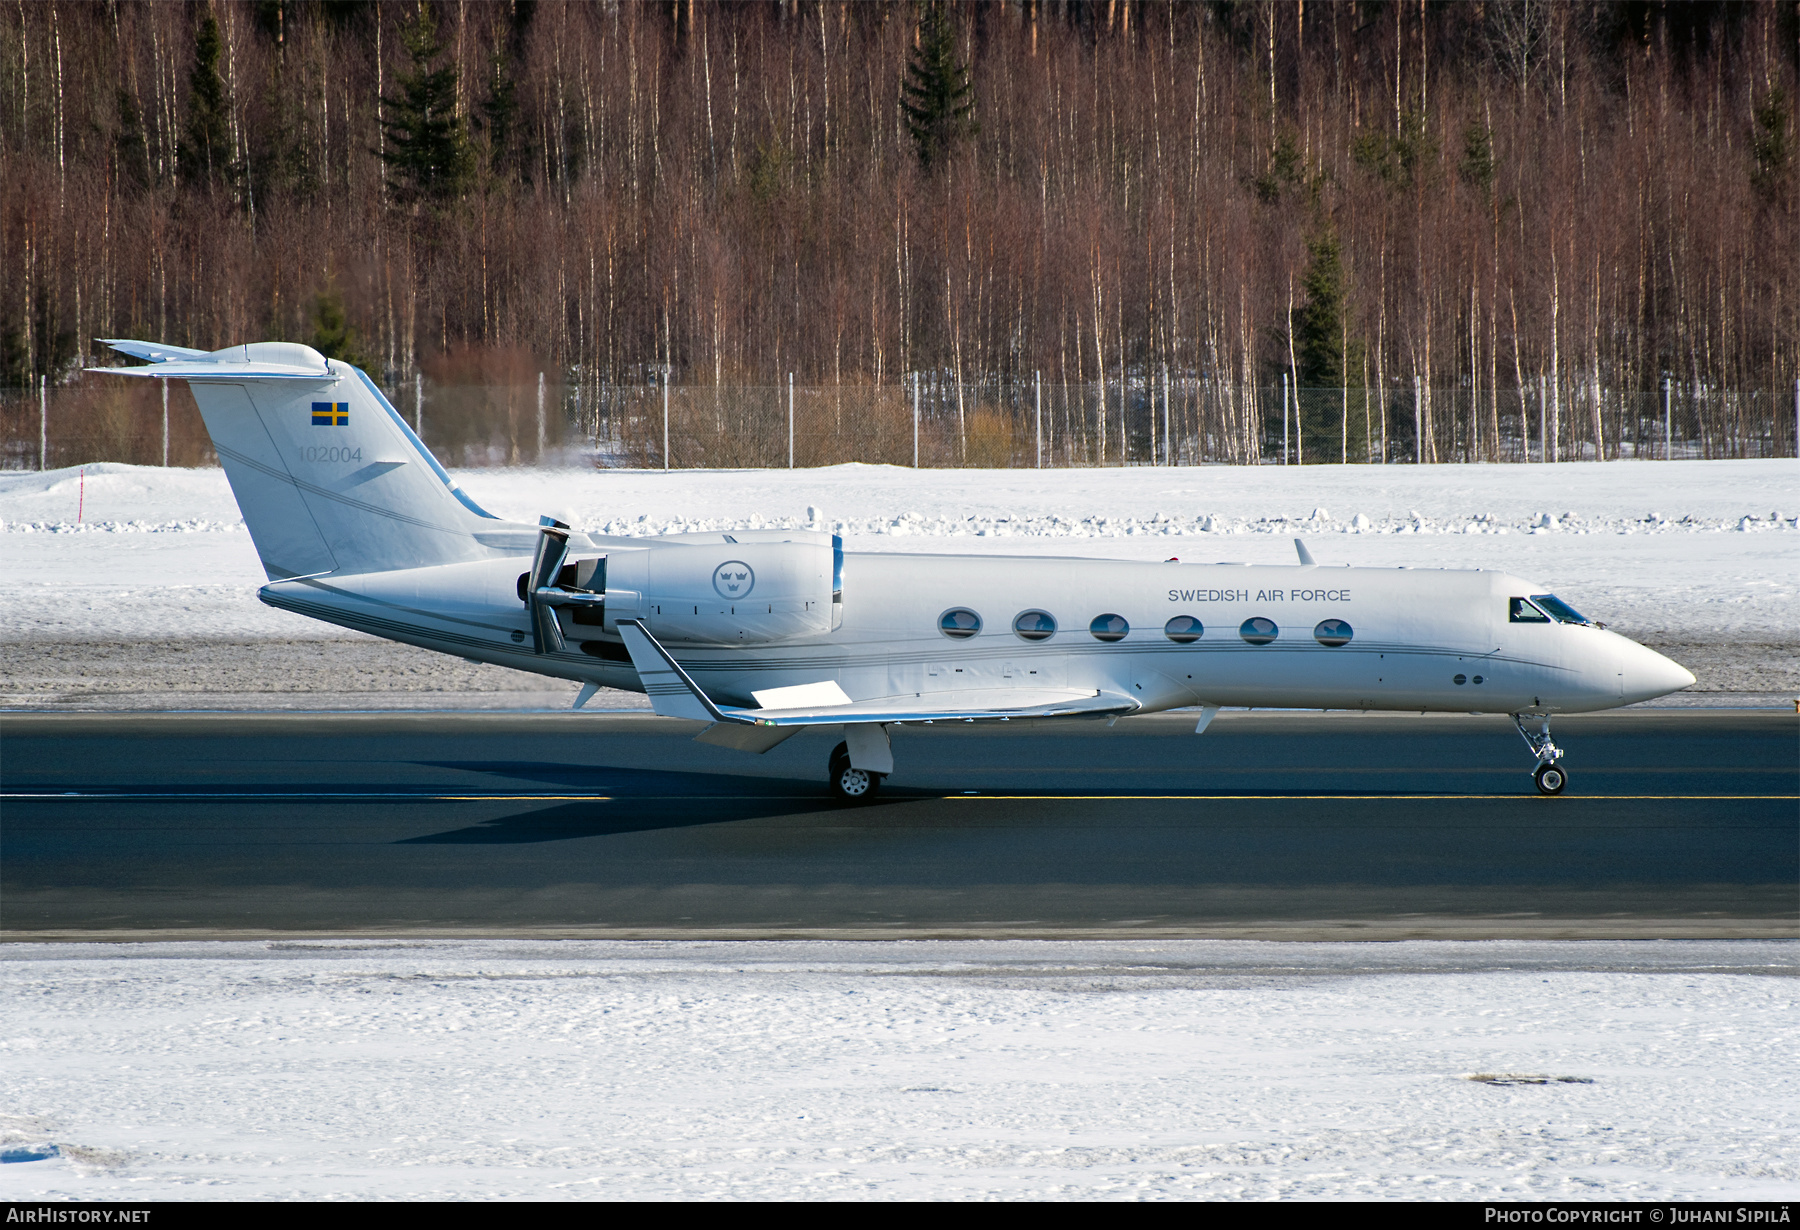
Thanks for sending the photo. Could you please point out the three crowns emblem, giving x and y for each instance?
(733, 579)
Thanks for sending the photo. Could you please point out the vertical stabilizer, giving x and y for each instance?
(288, 539)
(328, 475)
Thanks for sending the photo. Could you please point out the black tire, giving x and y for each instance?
(850, 784)
(1551, 778)
(853, 785)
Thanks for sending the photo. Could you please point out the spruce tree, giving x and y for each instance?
(500, 116)
(128, 142)
(428, 155)
(1770, 145)
(1319, 326)
(938, 99)
(333, 335)
(204, 152)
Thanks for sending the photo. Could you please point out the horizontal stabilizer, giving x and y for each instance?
(152, 352)
(229, 373)
(250, 361)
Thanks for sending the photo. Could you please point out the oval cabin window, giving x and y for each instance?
(959, 623)
(1184, 629)
(1109, 628)
(1333, 632)
(1034, 625)
(1259, 631)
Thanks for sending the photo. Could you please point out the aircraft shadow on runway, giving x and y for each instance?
(1227, 781)
(628, 800)
(631, 780)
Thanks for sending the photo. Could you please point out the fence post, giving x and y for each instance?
(1546, 451)
(790, 420)
(1150, 407)
(1299, 426)
(43, 420)
(1418, 426)
(665, 384)
(915, 420)
(1668, 422)
(540, 425)
(165, 399)
(1037, 392)
(1168, 440)
(1284, 418)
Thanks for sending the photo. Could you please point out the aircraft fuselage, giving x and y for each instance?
(1418, 639)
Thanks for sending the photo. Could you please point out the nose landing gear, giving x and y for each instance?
(1550, 779)
(848, 783)
(1550, 776)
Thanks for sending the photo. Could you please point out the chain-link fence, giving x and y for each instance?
(940, 423)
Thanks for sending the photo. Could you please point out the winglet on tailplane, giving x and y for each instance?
(329, 477)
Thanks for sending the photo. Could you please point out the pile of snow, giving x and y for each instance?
(1701, 550)
(1167, 525)
(1579, 498)
(193, 525)
(965, 1070)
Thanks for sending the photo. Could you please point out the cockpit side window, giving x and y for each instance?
(1519, 611)
(1559, 610)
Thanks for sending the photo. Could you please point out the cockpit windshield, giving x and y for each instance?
(1560, 610)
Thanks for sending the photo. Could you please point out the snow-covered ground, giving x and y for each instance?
(965, 1070)
(1700, 550)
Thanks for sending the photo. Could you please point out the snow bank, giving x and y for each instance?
(1682, 497)
(1130, 1070)
(1693, 549)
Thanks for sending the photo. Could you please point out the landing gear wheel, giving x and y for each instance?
(850, 784)
(1551, 778)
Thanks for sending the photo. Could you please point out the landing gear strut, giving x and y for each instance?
(1550, 776)
(848, 783)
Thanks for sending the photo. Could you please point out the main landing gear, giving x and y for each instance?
(848, 783)
(1550, 776)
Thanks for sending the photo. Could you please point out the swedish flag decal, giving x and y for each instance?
(331, 414)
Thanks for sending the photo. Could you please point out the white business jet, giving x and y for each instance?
(764, 633)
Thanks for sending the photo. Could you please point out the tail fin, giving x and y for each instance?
(328, 475)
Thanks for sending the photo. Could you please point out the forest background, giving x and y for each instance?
(1150, 231)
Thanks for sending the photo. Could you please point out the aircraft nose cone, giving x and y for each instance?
(1646, 674)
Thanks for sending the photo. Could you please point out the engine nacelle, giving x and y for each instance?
(727, 593)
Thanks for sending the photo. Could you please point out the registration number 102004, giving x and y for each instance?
(325, 453)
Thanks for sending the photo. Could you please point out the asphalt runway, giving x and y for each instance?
(1676, 824)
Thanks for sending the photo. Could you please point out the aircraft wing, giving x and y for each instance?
(673, 693)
